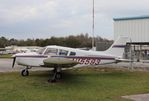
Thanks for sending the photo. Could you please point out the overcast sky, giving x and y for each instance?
(23, 19)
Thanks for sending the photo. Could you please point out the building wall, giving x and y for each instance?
(136, 29)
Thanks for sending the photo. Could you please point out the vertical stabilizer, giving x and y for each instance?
(117, 48)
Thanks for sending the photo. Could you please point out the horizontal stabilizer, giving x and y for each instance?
(123, 60)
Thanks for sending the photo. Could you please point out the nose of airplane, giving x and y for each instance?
(13, 56)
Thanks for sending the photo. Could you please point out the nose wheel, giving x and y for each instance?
(25, 72)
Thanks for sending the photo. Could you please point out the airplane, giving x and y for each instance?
(59, 57)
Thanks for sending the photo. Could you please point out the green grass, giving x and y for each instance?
(5, 55)
(76, 85)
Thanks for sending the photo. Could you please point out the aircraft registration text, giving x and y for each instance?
(87, 61)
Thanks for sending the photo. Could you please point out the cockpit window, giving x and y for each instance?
(72, 53)
(63, 52)
(51, 51)
(40, 51)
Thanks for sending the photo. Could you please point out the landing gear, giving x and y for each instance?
(57, 75)
(25, 71)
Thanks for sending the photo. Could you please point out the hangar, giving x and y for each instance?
(137, 28)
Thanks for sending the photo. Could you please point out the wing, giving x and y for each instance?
(57, 61)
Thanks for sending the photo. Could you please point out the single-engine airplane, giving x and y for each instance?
(59, 57)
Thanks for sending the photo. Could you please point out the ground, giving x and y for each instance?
(85, 84)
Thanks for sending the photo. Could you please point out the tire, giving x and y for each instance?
(52, 81)
(58, 76)
(24, 72)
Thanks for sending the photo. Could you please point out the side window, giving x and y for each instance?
(63, 52)
(72, 54)
(51, 51)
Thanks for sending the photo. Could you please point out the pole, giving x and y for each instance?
(93, 27)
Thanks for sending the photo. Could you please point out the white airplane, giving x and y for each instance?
(59, 57)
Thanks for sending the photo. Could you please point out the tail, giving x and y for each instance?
(117, 48)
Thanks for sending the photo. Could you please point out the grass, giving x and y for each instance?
(77, 85)
(5, 55)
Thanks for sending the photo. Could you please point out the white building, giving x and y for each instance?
(137, 28)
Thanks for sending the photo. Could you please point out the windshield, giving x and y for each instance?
(40, 51)
(51, 51)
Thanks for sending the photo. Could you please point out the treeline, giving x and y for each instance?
(78, 41)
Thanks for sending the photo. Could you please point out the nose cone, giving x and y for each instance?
(13, 56)
(17, 54)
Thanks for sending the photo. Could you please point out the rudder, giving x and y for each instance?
(117, 48)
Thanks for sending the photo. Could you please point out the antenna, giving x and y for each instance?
(93, 27)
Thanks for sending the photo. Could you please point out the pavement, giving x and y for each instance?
(6, 66)
(139, 97)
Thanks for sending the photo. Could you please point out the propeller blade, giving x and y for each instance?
(14, 60)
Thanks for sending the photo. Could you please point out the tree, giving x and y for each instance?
(78, 41)
(3, 42)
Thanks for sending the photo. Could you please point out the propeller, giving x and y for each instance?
(14, 60)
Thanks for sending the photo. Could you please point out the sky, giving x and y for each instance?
(22, 19)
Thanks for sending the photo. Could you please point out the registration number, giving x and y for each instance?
(88, 61)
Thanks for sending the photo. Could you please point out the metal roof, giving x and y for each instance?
(131, 18)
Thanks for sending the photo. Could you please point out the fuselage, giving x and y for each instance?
(83, 57)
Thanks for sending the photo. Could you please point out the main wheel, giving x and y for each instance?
(58, 75)
(24, 72)
(52, 81)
